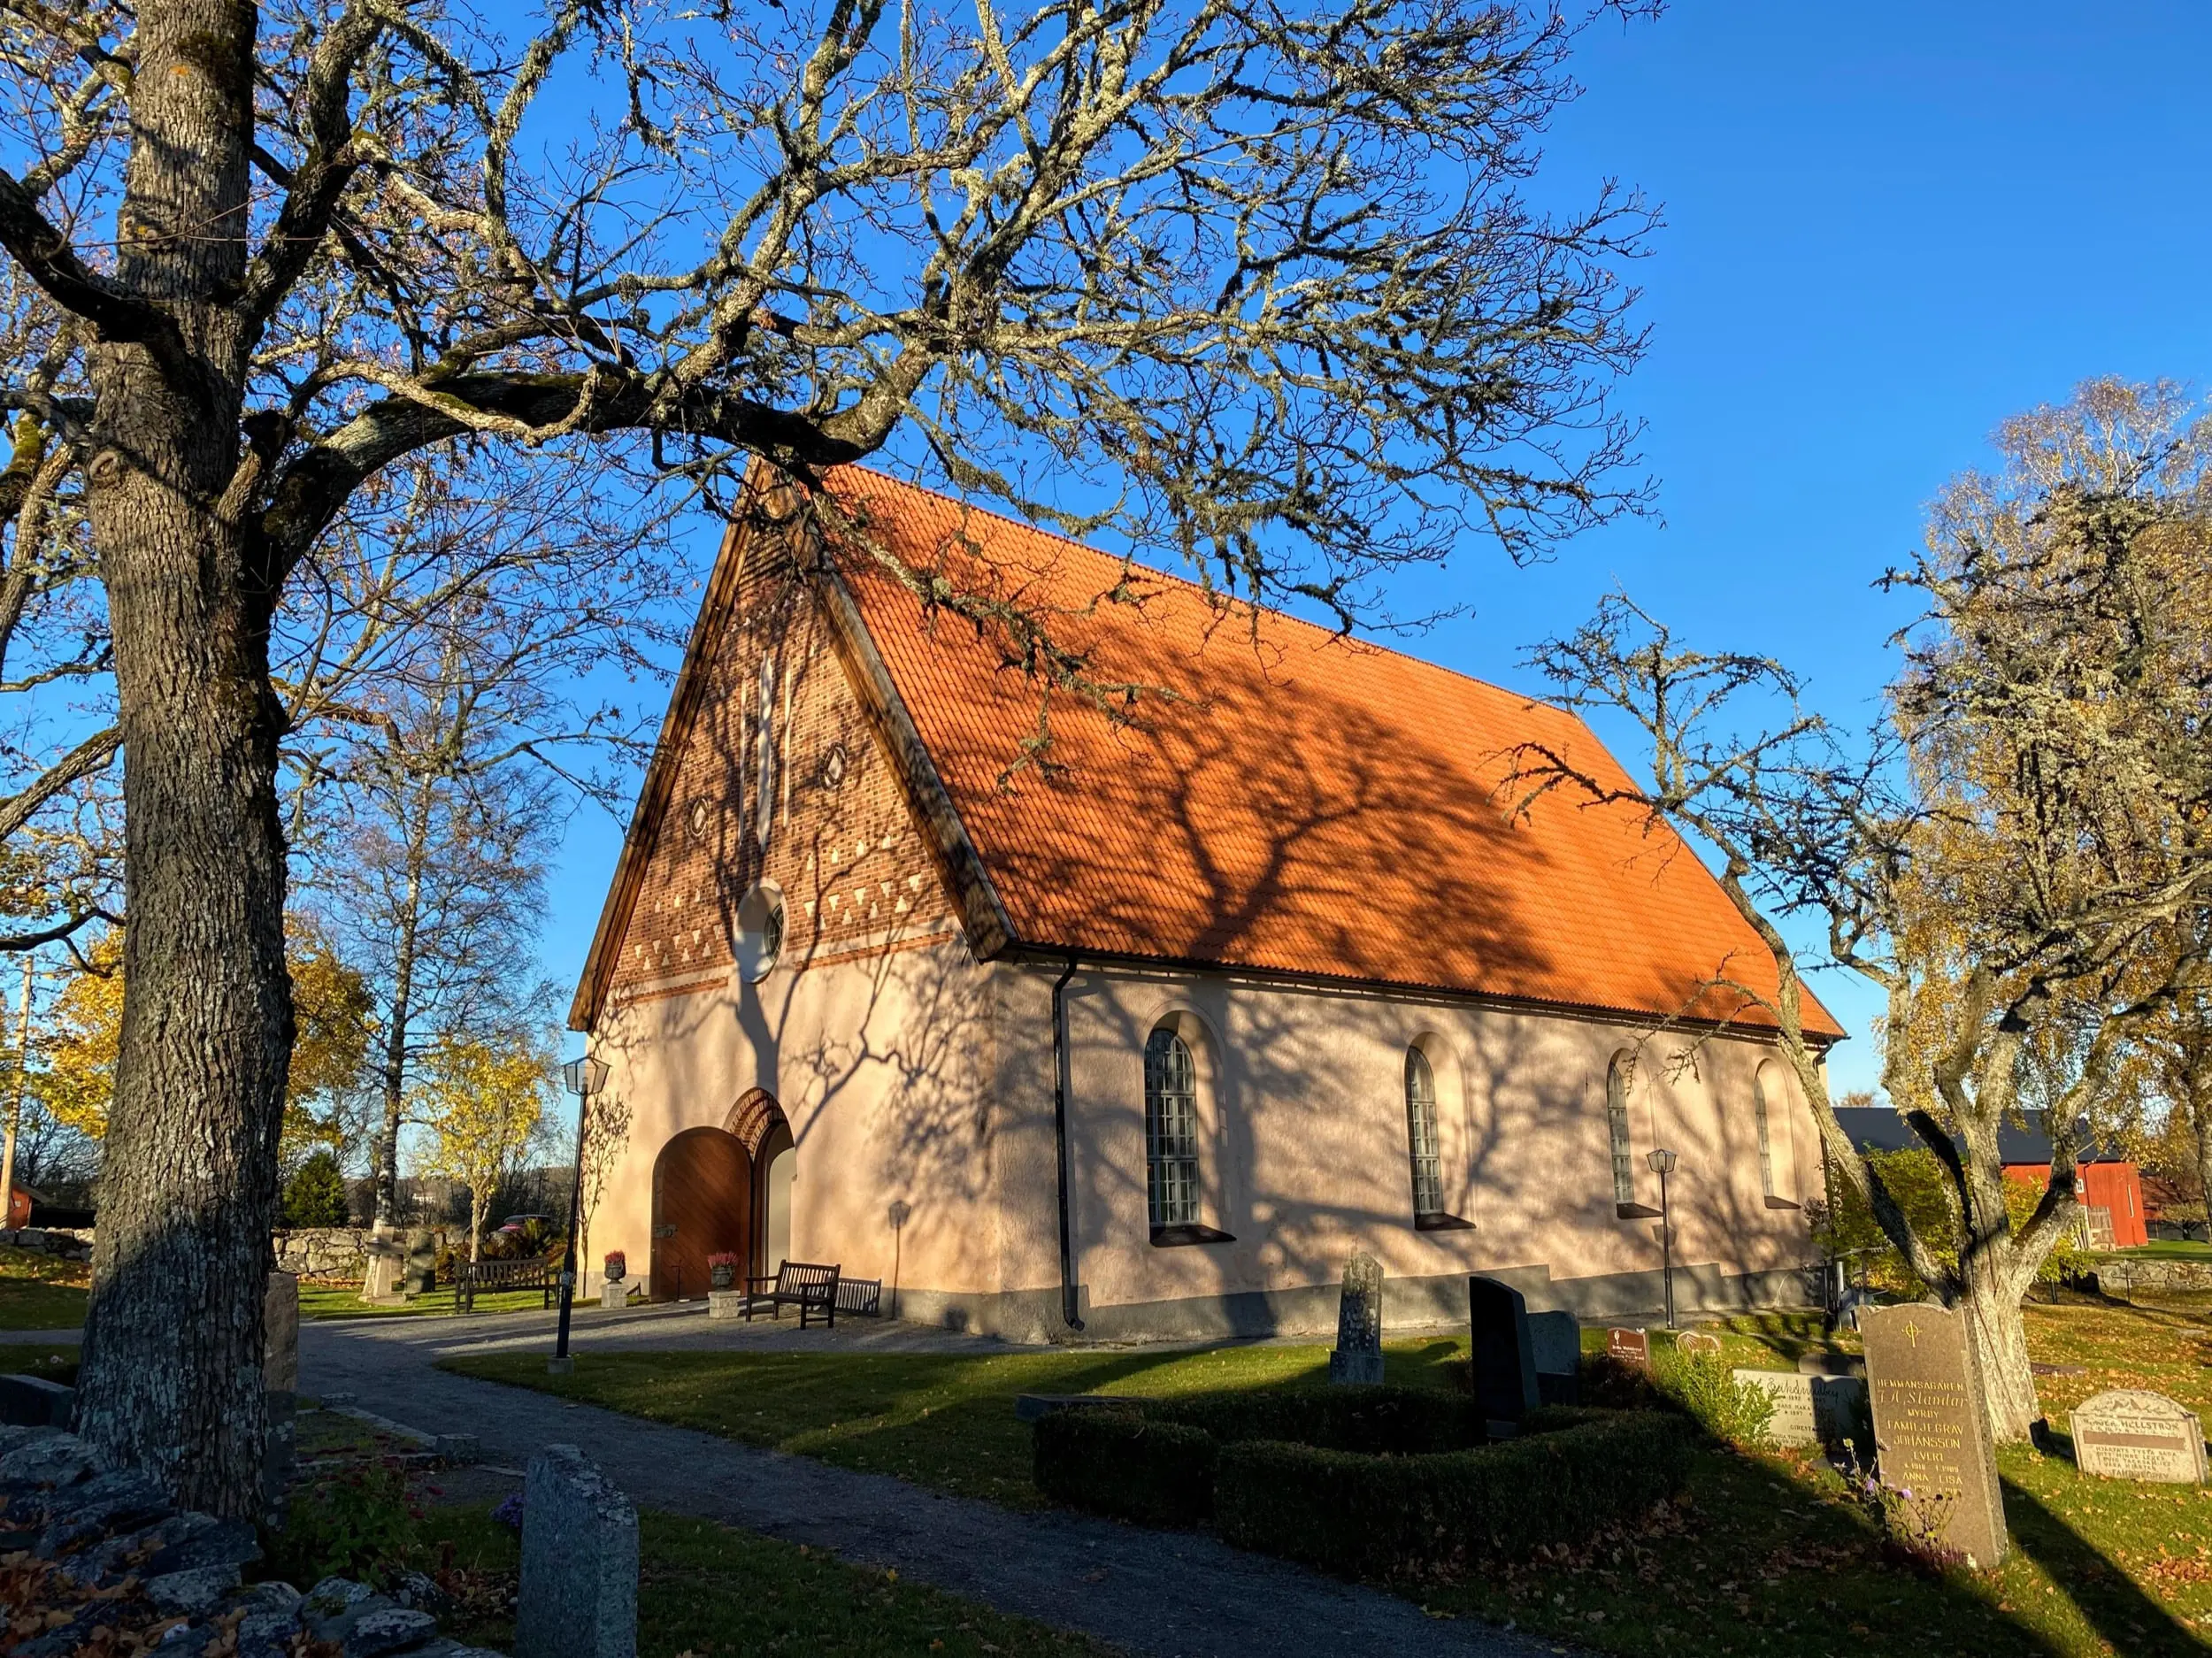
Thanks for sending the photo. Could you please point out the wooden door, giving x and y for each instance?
(702, 1205)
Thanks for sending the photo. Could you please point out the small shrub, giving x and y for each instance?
(1703, 1386)
(1913, 1526)
(1392, 1515)
(363, 1523)
(316, 1194)
(1131, 1466)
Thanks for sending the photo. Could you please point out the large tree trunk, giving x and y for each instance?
(2201, 1129)
(170, 1381)
(1992, 1307)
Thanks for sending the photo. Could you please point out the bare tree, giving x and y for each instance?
(1264, 272)
(2006, 858)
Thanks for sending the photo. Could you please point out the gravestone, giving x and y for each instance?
(1556, 1347)
(2127, 1433)
(379, 1281)
(1357, 1358)
(1810, 1408)
(1929, 1433)
(579, 1562)
(1503, 1356)
(419, 1276)
(280, 1390)
(33, 1401)
(1629, 1347)
(1698, 1343)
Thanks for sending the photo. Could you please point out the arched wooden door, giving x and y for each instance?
(702, 1205)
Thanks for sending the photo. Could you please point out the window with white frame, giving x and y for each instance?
(1617, 1076)
(1428, 1167)
(1170, 1130)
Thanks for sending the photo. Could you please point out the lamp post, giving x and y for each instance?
(585, 1077)
(1661, 1162)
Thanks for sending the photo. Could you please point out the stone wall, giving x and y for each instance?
(50, 1240)
(323, 1252)
(109, 1550)
(2122, 1275)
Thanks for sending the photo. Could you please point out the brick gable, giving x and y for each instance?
(856, 866)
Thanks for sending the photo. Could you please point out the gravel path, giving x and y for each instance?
(1173, 1595)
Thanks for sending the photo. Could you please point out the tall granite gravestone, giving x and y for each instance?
(280, 1389)
(579, 1563)
(1504, 1357)
(1930, 1432)
(1555, 1345)
(2126, 1433)
(380, 1280)
(419, 1275)
(1357, 1358)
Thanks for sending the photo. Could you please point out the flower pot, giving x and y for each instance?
(725, 1278)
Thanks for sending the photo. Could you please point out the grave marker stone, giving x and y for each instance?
(2127, 1433)
(280, 1389)
(380, 1282)
(1629, 1347)
(1697, 1343)
(1930, 1435)
(419, 1274)
(579, 1562)
(1357, 1358)
(1555, 1343)
(1503, 1356)
(1811, 1409)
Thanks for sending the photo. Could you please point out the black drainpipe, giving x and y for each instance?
(1068, 1300)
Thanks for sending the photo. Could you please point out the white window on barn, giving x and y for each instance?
(1428, 1165)
(1617, 1077)
(1170, 1131)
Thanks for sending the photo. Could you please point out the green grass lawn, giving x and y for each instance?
(40, 1292)
(1769, 1554)
(940, 1419)
(715, 1593)
(56, 1364)
(2172, 1248)
(343, 1301)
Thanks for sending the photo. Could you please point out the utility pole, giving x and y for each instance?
(15, 1106)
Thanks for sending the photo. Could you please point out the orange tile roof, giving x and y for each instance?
(1314, 805)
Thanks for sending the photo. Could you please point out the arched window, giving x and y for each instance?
(1428, 1171)
(764, 762)
(1170, 1131)
(1766, 1142)
(1617, 1077)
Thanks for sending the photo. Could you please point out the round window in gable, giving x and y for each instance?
(760, 931)
(834, 765)
(698, 819)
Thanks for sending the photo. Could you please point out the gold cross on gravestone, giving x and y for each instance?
(1912, 1335)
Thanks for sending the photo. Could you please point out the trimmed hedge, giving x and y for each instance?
(1382, 1516)
(1380, 1421)
(1132, 1467)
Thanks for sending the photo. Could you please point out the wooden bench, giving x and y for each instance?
(531, 1272)
(860, 1296)
(808, 1285)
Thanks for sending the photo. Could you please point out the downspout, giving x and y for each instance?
(1068, 1305)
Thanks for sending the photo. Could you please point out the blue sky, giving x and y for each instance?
(1889, 226)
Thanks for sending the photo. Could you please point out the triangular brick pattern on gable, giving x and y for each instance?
(842, 844)
(1305, 803)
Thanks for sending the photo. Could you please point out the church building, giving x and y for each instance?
(1064, 1011)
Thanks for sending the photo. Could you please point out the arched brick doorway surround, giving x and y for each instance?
(702, 1205)
(758, 1123)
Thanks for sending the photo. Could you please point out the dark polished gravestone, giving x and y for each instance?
(1504, 1356)
(1357, 1358)
(1931, 1434)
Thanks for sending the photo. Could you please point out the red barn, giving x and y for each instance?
(2109, 1188)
